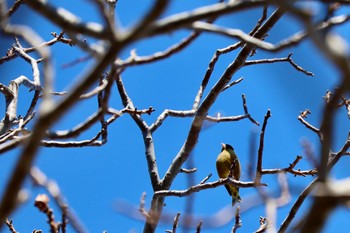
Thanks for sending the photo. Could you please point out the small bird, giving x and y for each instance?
(226, 161)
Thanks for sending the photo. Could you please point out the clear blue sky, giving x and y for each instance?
(97, 179)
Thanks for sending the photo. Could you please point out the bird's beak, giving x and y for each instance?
(223, 145)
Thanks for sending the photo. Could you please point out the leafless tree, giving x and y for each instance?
(44, 109)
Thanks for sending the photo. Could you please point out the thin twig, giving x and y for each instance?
(264, 224)
(39, 178)
(14, 7)
(142, 209)
(9, 224)
(311, 127)
(199, 227)
(251, 40)
(188, 171)
(274, 60)
(175, 48)
(235, 118)
(261, 148)
(42, 203)
(176, 222)
(290, 169)
(206, 179)
(238, 221)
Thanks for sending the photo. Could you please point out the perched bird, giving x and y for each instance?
(226, 161)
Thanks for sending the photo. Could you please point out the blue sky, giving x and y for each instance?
(96, 180)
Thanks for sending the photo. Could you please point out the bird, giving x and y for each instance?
(227, 163)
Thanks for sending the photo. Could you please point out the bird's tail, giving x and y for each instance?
(236, 198)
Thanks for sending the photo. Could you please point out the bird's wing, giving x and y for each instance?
(228, 189)
(223, 166)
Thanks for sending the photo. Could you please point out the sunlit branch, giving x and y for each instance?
(261, 148)
(309, 126)
(141, 29)
(206, 178)
(31, 110)
(97, 90)
(203, 108)
(67, 20)
(238, 221)
(14, 7)
(10, 226)
(327, 129)
(58, 38)
(182, 19)
(11, 92)
(273, 203)
(168, 112)
(104, 8)
(234, 118)
(14, 132)
(45, 120)
(251, 40)
(77, 130)
(232, 84)
(65, 144)
(42, 203)
(264, 225)
(290, 169)
(175, 223)
(109, 41)
(204, 186)
(11, 97)
(209, 72)
(136, 111)
(9, 145)
(346, 103)
(257, 26)
(188, 171)
(33, 39)
(142, 208)
(34, 64)
(146, 132)
(274, 60)
(304, 194)
(40, 179)
(138, 60)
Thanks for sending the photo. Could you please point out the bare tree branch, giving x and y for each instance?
(204, 186)
(286, 59)
(40, 179)
(290, 169)
(261, 148)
